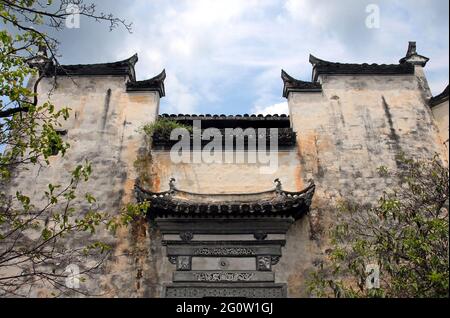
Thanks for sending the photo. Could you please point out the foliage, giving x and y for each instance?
(31, 251)
(30, 235)
(406, 234)
(28, 129)
(131, 212)
(164, 127)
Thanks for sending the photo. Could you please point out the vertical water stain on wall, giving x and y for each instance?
(394, 138)
(106, 109)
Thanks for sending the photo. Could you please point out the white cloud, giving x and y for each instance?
(280, 108)
(307, 11)
(181, 99)
(225, 56)
(199, 42)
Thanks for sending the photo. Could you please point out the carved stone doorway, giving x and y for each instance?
(225, 245)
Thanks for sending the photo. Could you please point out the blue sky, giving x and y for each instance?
(226, 56)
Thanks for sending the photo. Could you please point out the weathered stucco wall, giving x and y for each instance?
(440, 113)
(103, 128)
(345, 133)
(222, 178)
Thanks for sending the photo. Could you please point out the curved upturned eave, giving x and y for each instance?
(153, 84)
(272, 203)
(439, 99)
(291, 84)
(315, 60)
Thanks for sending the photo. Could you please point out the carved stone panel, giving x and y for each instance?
(210, 263)
(223, 263)
(264, 263)
(224, 250)
(223, 276)
(186, 236)
(275, 260)
(184, 263)
(260, 236)
(244, 290)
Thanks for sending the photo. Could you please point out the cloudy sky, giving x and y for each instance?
(225, 56)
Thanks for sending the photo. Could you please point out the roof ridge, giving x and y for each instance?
(122, 67)
(131, 60)
(277, 189)
(316, 61)
(281, 204)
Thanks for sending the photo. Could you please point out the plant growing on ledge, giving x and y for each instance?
(405, 236)
(163, 127)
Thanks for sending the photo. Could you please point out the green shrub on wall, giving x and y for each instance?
(163, 127)
(405, 236)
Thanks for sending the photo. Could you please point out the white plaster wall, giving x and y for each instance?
(345, 133)
(103, 129)
(222, 178)
(440, 113)
(357, 124)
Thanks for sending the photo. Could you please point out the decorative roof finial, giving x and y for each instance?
(133, 60)
(412, 48)
(278, 186)
(172, 184)
(42, 50)
(412, 57)
(41, 59)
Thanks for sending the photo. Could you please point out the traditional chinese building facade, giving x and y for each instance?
(227, 229)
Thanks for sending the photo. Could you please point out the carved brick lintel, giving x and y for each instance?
(264, 263)
(223, 276)
(275, 260)
(186, 236)
(223, 251)
(243, 290)
(184, 263)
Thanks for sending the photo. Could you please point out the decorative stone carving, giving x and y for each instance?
(263, 214)
(260, 236)
(264, 263)
(223, 276)
(242, 291)
(186, 236)
(184, 263)
(223, 263)
(172, 184)
(220, 251)
(278, 185)
(275, 260)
